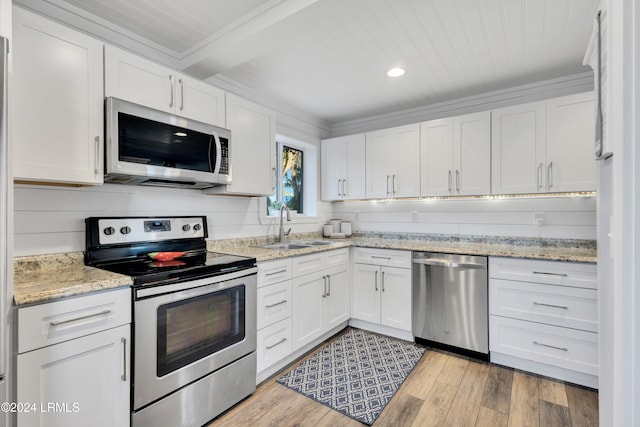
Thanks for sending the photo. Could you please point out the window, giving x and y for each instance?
(291, 182)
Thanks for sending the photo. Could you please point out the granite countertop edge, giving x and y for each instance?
(45, 278)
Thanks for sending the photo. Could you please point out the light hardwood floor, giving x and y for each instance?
(442, 390)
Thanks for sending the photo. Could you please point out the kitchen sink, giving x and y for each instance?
(295, 244)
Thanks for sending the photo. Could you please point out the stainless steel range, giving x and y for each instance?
(194, 330)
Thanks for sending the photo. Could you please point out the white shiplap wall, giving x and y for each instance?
(564, 217)
(51, 219)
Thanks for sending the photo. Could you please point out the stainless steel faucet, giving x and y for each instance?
(283, 234)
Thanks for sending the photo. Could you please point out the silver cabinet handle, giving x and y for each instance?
(276, 272)
(387, 185)
(382, 281)
(564, 307)
(551, 274)
(376, 282)
(172, 88)
(550, 176)
(273, 179)
(75, 319)
(324, 286)
(181, 94)
(276, 304)
(124, 358)
(457, 181)
(96, 159)
(328, 285)
(380, 257)
(551, 346)
(539, 176)
(393, 184)
(344, 187)
(449, 180)
(339, 193)
(269, 347)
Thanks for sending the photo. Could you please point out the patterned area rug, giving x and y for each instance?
(356, 374)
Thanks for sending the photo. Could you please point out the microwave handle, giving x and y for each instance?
(216, 139)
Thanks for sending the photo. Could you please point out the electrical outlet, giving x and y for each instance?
(538, 218)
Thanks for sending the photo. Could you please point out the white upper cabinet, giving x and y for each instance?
(545, 146)
(253, 149)
(518, 148)
(56, 102)
(393, 162)
(570, 143)
(137, 80)
(455, 155)
(343, 168)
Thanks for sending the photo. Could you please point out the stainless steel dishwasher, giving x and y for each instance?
(450, 302)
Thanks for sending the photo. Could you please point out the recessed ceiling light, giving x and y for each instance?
(396, 72)
(180, 134)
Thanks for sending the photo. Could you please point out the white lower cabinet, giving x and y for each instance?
(382, 294)
(80, 381)
(543, 318)
(300, 299)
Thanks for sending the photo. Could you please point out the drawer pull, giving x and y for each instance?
(124, 358)
(276, 272)
(75, 319)
(276, 304)
(269, 347)
(551, 346)
(381, 257)
(564, 307)
(551, 274)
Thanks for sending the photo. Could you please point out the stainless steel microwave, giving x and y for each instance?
(151, 147)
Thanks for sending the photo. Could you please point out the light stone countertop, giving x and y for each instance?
(45, 278)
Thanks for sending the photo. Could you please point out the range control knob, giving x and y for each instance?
(125, 230)
(186, 227)
(109, 231)
(197, 227)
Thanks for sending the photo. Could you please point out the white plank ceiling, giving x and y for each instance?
(328, 58)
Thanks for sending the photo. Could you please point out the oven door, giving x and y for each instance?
(185, 331)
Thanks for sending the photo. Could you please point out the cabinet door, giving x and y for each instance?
(135, 79)
(404, 144)
(337, 301)
(307, 309)
(378, 164)
(200, 101)
(253, 148)
(365, 293)
(353, 187)
(333, 166)
(88, 376)
(56, 102)
(395, 305)
(472, 154)
(517, 159)
(436, 157)
(570, 140)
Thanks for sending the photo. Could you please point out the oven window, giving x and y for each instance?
(158, 144)
(191, 329)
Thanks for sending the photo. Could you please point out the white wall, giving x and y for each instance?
(566, 218)
(51, 219)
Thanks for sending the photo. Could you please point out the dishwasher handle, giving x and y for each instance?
(446, 263)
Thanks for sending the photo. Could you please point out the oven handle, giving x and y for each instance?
(168, 288)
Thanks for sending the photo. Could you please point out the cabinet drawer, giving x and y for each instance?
(552, 345)
(550, 272)
(54, 322)
(336, 257)
(384, 257)
(554, 305)
(274, 303)
(274, 343)
(274, 271)
(308, 263)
